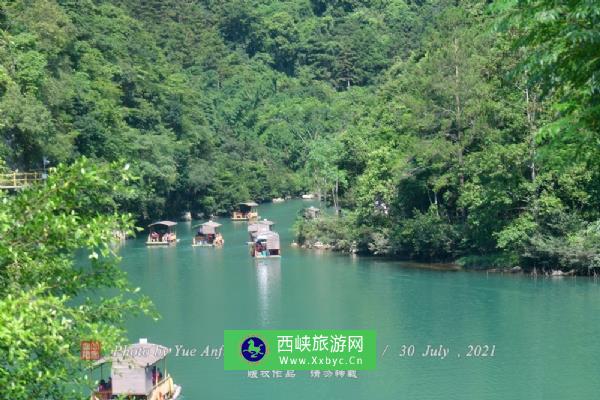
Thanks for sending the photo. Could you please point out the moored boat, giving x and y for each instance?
(208, 235)
(161, 234)
(312, 212)
(278, 200)
(247, 211)
(137, 371)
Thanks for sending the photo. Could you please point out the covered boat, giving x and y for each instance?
(136, 371)
(312, 212)
(161, 234)
(246, 212)
(266, 245)
(208, 235)
(259, 227)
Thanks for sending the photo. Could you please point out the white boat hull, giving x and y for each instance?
(176, 392)
(161, 243)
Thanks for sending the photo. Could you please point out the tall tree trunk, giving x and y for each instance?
(458, 125)
(458, 113)
(336, 198)
(333, 199)
(531, 105)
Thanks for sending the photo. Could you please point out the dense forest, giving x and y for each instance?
(441, 129)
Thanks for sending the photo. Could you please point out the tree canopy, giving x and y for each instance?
(479, 118)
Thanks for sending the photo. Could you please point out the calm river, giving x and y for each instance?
(545, 331)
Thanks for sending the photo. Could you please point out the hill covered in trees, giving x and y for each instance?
(212, 102)
(441, 128)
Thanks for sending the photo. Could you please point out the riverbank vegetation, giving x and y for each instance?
(441, 129)
(51, 300)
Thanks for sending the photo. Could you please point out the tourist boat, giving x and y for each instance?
(266, 245)
(161, 234)
(246, 212)
(208, 235)
(308, 196)
(136, 371)
(312, 212)
(278, 200)
(259, 227)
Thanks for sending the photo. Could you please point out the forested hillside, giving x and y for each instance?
(212, 102)
(442, 129)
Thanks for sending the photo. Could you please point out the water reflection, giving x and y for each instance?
(268, 279)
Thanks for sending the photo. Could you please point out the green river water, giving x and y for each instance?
(544, 330)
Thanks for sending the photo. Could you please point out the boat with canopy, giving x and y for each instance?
(138, 371)
(208, 235)
(246, 211)
(161, 234)
(266, 245)
(312, 212)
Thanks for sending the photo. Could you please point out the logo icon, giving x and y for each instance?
(253, 349)
(90, 350)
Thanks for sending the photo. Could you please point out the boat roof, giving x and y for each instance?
(254, 227)
(265, 235)
(249, 204)
(272, 239)
(138, 355)
(165, 223)
(209, 223)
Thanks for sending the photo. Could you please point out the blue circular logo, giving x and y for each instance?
(253, 349)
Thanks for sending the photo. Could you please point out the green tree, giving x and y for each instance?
(49, 301)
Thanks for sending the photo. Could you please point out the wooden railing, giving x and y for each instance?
(17, 180)
(162, 390)
(249, 215)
